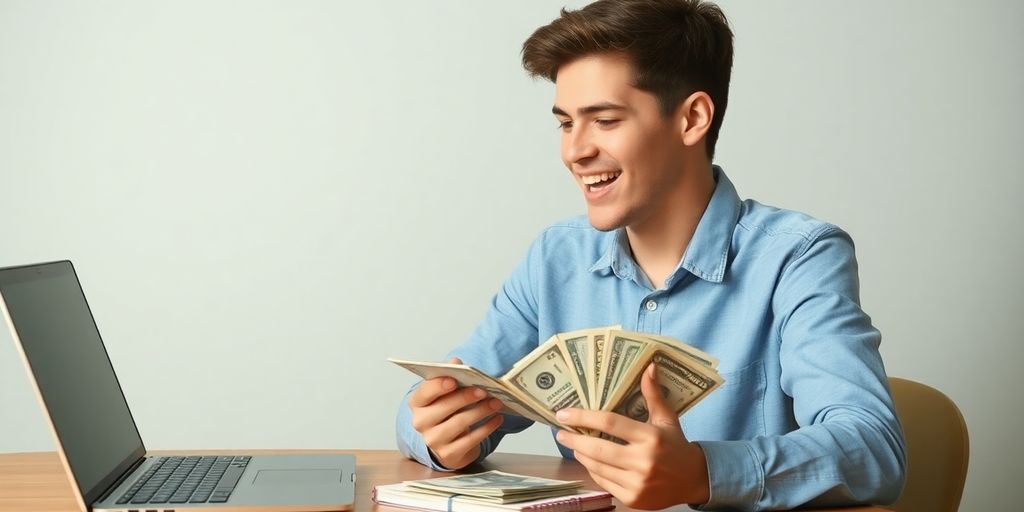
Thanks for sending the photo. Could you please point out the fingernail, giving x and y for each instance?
(562, 415)
(479, 393)
(560, 436)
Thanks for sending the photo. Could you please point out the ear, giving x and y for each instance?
(694, 116)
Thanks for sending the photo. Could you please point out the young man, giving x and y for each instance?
(668, 247)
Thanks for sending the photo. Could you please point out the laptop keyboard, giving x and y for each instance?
(194, 479)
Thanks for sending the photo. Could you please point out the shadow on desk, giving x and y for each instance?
(35, 482)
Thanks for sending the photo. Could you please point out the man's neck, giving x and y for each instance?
(658, 244)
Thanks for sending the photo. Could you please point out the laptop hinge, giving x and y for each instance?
(117, 483)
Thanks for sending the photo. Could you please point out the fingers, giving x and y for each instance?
(659, 413)
(609, 479)
(438, 400)
(458, 424)
(432, 389)
(605, 475)
(593, 448)
(455, 442)
(610, 423)
(442, 408)
(453, 421)
(468, 441)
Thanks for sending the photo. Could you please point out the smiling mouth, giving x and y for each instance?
(597, 182)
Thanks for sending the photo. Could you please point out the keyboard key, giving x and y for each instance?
(199, 498)
(230, 478)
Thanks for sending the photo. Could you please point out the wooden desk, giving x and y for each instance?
(35, 482)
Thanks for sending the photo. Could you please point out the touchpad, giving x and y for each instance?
(297, 477)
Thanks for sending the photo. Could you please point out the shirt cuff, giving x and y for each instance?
(485, 450)
(735, 476)
(410, 442)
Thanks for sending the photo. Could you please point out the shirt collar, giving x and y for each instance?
(616, 257)
(708, 252)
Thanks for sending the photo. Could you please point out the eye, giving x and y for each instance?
(606, 123)
(565, 125)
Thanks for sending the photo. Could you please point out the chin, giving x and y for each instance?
(603, 221)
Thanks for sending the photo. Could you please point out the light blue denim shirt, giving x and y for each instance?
(805, 414)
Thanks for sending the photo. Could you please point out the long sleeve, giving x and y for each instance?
(849, 447)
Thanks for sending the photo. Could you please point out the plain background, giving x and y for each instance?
(264, 200)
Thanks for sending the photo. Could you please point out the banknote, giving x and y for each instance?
(493, 483)
(545, 376)
(697, 355)
(467, 376)
(622, 352)
(495, 487)
(576, 347)
(682, 384)
(597, 339)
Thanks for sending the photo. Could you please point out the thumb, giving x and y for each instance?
(660, 414)
(455, 360)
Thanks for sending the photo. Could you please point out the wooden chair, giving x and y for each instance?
(937, 448)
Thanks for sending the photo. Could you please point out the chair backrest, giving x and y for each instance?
(937, 448)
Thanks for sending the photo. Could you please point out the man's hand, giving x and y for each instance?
(656, 468)
(445, 417)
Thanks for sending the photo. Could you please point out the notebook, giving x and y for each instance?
(404, 496)
(96, 436)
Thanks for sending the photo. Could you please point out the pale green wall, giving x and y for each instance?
(289, 192)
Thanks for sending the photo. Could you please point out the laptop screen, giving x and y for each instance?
(73, 373)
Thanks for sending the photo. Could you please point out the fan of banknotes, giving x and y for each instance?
(597, 369)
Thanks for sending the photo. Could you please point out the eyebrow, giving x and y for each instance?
(589, 109)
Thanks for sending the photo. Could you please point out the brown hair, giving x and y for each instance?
(676, 48)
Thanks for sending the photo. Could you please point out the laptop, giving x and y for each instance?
(98, 442)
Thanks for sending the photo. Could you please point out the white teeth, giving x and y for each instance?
(598, 178)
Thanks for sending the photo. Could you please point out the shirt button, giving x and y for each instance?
(651, 305)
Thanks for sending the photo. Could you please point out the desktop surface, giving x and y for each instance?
(35, 482)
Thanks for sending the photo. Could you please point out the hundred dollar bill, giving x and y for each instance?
(467, 376)
(682, 385)
(695, 354)
(576, 347)
(623, 350)
(544, 376)
(596, 361)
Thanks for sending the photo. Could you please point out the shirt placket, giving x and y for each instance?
(649, 312)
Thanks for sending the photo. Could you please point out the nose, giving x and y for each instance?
(577, 146)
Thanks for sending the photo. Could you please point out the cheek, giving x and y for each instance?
(622, 148)
(641, 154)
(622, 151)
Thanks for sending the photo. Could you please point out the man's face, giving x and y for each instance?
(625, 157)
